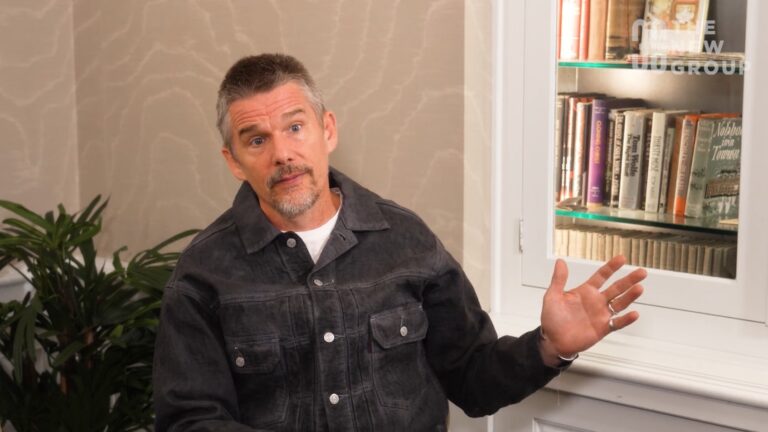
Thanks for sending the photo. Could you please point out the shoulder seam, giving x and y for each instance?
(395, 206)
(206, 235)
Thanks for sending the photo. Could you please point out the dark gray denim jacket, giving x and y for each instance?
(375, 336)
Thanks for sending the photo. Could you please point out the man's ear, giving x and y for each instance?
(233, 164)
(329, 131)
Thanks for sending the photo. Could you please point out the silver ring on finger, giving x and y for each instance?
(610, 308)
(611, 325)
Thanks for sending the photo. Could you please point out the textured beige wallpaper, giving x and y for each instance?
(117, 98)
(477, 146)
(147, 75)
(38, 133)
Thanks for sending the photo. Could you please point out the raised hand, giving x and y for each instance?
(572, 321)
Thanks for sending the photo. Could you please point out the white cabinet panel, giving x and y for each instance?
(695, 361)
(550, 411)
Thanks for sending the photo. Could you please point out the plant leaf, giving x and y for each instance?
(67, 352)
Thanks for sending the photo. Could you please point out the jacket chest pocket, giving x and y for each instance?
(398, 361)
(259, 375)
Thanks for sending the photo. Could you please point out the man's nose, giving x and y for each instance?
(282, 152)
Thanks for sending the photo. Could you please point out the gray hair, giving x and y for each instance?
(258, 74)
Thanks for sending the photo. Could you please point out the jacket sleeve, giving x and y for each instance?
(193, 387)
(479, 372)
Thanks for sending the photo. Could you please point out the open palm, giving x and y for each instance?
(576, 319)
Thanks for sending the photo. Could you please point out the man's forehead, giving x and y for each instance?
(287, 99)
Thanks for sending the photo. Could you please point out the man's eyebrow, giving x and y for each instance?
(247, 130)
(293, 113)
(255, 128)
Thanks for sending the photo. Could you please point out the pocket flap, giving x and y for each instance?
(254, 356)
(399, 326)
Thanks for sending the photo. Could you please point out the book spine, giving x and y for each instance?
(644, 166)
(598, 10)
(673, 164)
(559, 120)
(636, 14)
(597, 152)
(655, 160)
(569, 32)
(618, 143)
(632, 160)
(579, 147)
(609, 160)
(584, 29)
(559, 26)
(687, 141)
(695, 195)
(721, 196)
(621, 17)
(665, 168)
(567, 181)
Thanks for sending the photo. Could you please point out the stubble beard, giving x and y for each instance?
(294, 203)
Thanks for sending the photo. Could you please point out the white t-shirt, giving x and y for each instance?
(316, 239)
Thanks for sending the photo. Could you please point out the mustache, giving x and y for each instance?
(288, 170)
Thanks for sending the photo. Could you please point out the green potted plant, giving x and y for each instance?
(76, 352)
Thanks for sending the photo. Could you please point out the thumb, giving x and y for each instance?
(559, 277)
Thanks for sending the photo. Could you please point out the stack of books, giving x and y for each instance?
(615, 152)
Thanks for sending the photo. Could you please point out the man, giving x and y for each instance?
(313, 304)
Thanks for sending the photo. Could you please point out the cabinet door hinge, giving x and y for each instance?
(520, 235)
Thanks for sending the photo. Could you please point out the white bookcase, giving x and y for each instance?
(700, 348)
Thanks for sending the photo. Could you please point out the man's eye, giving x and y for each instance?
(295, 127)
(257, 140)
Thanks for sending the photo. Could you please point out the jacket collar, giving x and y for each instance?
(359, 212)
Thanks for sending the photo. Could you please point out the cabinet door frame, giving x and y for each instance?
(528, 74)
(711, 335)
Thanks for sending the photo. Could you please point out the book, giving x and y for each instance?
(646, 153)
(580, 146)
(687, 149)
(623, 24)
(673, 164)
(598, 148)
(697, 181)
(660, 123)
(665, 167)
(559, 26)
(570, 135)
(609, 160)
(632, 159)
(559, 142)
(721, 193)
(618, 140)
(584, 29)
(687, 141)
(570, 21)
(598, 15)
(674, 26)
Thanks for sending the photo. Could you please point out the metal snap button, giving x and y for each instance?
(334, 399)
(318, 282)
(403, 331)
(239, 359)
(291, 242)
(329, 337)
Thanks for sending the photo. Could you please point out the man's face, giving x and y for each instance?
(281, 148)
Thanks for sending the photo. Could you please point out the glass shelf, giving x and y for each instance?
(659, 220)
(681, 67)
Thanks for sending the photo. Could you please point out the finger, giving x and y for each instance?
(625, 300)
(559, 277)
(619, 322)
(606, 271)
(617, 288)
